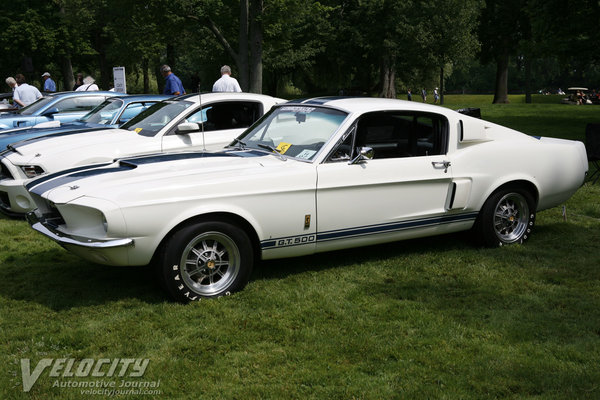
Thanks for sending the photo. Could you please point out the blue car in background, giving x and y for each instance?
(62, 107)
(111, 113)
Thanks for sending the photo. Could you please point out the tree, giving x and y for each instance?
(501, 28)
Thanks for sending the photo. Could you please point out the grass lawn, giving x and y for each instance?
(421, 319)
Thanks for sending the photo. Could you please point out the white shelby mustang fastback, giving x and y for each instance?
(311, 176)
(167, 126)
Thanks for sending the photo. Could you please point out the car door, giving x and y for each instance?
(220, 123)
(401, 192)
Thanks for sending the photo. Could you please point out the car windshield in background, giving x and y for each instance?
(149, 122)
(296, 131)
(36, 106)
(104, 113)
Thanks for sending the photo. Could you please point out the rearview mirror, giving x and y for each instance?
(187, 127)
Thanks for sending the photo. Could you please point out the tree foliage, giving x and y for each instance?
(293, 46)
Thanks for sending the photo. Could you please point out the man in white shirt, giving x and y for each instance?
(25, 94)
(226, 83)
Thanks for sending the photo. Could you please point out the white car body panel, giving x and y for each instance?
(59, 152)
(303, 206)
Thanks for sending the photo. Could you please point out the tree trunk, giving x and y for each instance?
(388, 77)
(146, 76)
(256, 46)
(501, 90)
(67, 72)
(441, 93)
(527, 80)
(242, 60)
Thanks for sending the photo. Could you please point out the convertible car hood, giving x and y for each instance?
(167, 176)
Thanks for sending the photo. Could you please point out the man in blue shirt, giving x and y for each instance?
(173, 84)
(49, 85)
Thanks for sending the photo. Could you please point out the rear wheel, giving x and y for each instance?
(507, 217)
(204, 260)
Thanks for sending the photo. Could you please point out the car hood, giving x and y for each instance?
(79, 148)
(170, 176)
(17, 135)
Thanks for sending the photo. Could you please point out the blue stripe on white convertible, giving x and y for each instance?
(364, 231)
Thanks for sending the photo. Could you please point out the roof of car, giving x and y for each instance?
(80, 93)
(216, 96)
(143, 97)
(366, 104)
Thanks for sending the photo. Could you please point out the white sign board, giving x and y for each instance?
(119, 79)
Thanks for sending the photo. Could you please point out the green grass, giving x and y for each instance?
(429, 318)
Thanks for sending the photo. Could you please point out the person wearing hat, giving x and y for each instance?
(49, 85)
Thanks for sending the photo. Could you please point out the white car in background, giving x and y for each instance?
(167, 126)
(312, 176)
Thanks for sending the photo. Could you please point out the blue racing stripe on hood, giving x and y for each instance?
(166, 157)
(48, 177)
(44, 187)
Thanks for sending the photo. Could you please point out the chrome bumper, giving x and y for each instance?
(40, 225)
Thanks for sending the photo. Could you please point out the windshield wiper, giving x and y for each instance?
(242, 145)
(272, 150)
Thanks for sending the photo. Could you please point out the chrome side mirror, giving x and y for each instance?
(364, 154)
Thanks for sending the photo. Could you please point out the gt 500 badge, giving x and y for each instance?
(295, 240)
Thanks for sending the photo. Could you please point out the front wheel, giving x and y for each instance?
(204, 260)
(507, 217)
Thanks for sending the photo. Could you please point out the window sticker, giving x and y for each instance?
(138, 130)
(283, 147)
(298, 109)
(306, 154)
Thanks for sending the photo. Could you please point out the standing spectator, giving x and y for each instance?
(424, 95)
(173, 85)
(78, 81)
(25, 94)
(88, 85)
(436, 96)
(226, 83)
(10, 81)
(409, 95)
(49, 85)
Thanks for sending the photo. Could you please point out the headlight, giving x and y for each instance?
(31, 171)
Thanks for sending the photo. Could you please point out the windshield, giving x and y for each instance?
(104, 113)
(295, 131)
(36, 106)
(151, 121)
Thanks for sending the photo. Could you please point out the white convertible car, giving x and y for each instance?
(169, 125)
(311, 176)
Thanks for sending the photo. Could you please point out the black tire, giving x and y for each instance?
(219, 261)
(507, 217)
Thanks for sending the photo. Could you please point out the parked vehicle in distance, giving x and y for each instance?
(111, 113)
(169, 125)
(5, 104)
(311, 176)
(61, 106)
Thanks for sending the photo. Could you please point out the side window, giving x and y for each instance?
(396, 135)
(227, 115)
(74, 104)
(132, 110)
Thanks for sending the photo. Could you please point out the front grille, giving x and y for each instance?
(4, 200)
(4, 172)
(52, 216)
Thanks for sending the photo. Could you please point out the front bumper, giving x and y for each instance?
(14, 198)
(39, 224)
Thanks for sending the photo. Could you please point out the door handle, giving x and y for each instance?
(441, 164)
